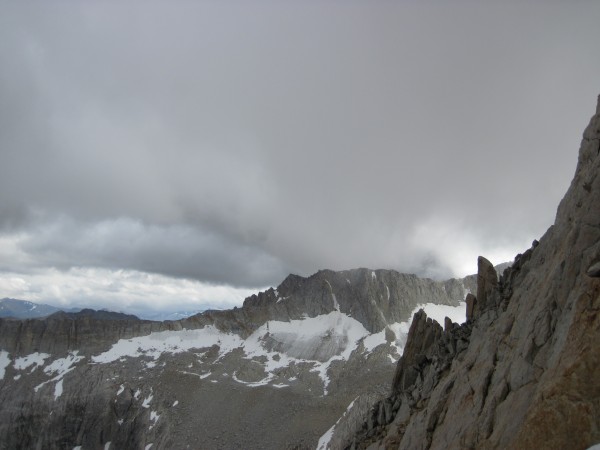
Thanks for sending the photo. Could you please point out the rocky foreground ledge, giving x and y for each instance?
(524, 371)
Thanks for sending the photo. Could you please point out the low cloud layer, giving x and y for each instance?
(119, 290)
(233, 144)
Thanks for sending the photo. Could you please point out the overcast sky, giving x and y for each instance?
(183, 154)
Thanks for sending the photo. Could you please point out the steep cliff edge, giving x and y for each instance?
(523, 372)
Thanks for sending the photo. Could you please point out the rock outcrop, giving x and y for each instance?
(523, 372)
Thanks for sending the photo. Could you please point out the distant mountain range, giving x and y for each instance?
(23, 309)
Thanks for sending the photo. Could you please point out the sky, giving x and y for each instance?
(183, 155)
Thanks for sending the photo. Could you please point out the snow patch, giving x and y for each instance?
(107, 445)
(199, 375)
(121, 389)
(400, 329)
(147, 400)
(263, 382)
(4, 362)
(326, 438)
(438, 313)
(35, 359)
(373, 275)
(157, 343)
(58, 389)
(315, 340)
(336, 305)
(175, 403)
(60, 367)
(374, 340)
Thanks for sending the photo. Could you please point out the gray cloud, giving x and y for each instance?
(234, 143)
(178, 251)
(121, 290)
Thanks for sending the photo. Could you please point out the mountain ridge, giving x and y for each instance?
(315, 342)
(25, 309)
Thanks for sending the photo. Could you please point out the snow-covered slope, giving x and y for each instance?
(313, 343)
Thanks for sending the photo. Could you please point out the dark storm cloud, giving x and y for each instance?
(179, 251)
(235, 142)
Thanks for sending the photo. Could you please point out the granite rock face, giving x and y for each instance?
(375, 298)
(523, 373)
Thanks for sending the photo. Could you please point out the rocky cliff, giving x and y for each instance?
(523, 372)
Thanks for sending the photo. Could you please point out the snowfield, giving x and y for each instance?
(316, 341)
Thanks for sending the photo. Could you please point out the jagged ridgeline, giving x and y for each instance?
(275, 373)
(524, 372)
